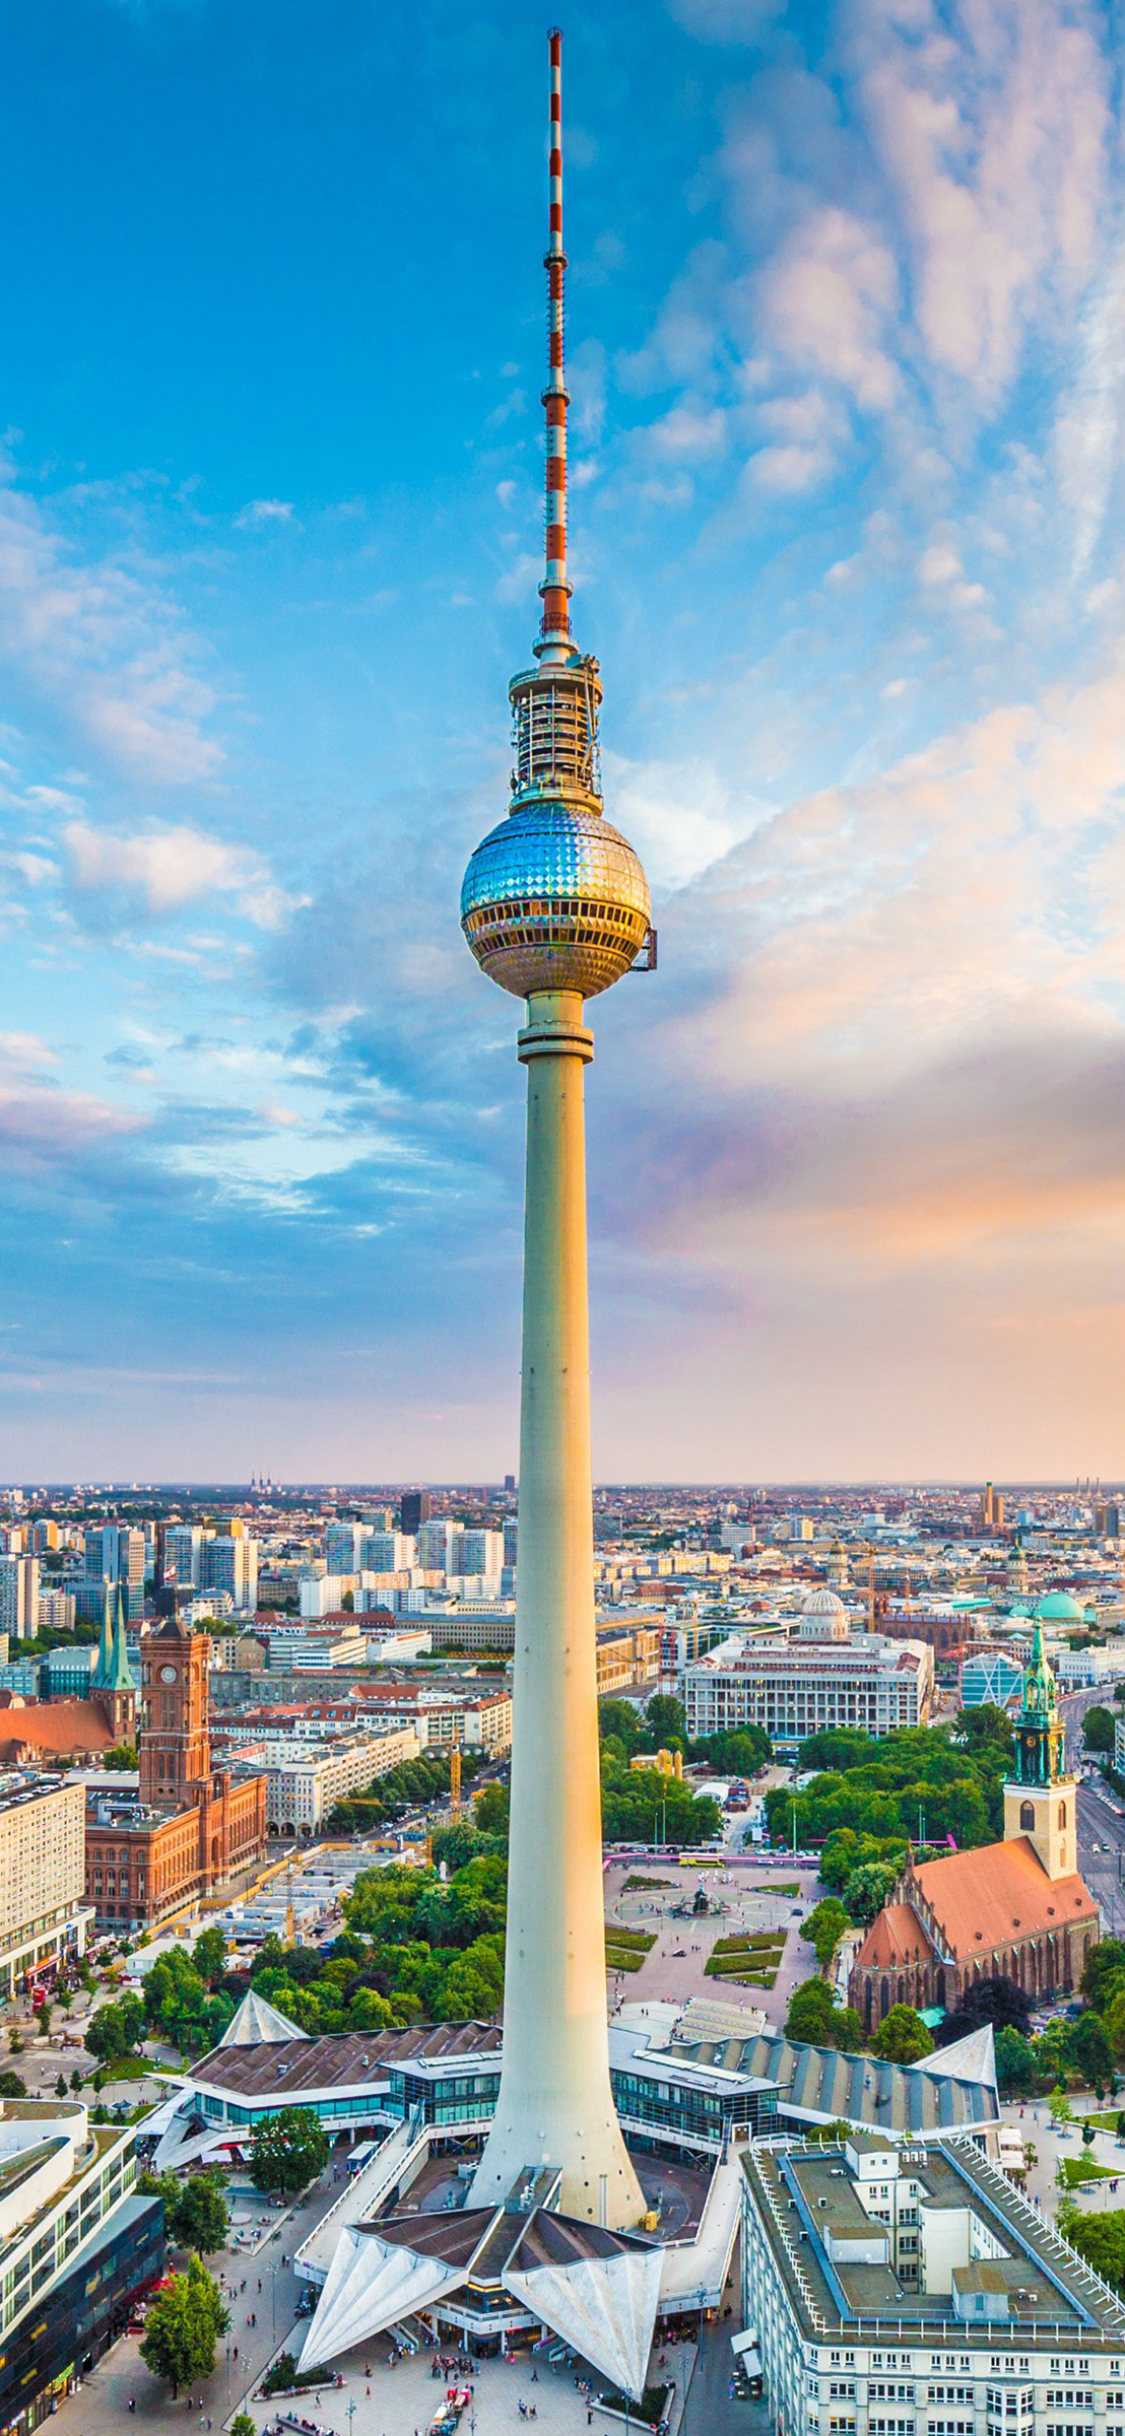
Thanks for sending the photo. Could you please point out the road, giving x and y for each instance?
(1100, 1824)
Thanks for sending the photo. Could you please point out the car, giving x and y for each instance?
(680, 1954)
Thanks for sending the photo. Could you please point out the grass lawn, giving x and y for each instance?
(1105, 2122)
(625, 1949)
(749, 1970)
(633, 1886)
(127, 2068)
(1076, 2170)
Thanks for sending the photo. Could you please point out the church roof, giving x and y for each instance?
(996, 1896)
(896, 1935)
(68, 1728)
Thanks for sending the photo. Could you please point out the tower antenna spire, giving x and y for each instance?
(554, 638)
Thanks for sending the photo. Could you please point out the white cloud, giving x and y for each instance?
(990, 124)
(104, 643)
(258, 512)
(825, 302)
(170, 868)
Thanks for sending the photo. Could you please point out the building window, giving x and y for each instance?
(1027, 1814)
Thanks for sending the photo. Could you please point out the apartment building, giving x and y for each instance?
(42, 1876)
(912, 2291)
(800, 1688)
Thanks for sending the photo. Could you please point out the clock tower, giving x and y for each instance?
(1040, 1798)
(175, 1753)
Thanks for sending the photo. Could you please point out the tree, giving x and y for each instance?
(183, 2327)
(1059, 2107)
(1015, 2064)
(1091, 2053)
(242, 2425)
(288, 2150)
(1101, 1967)
(11, 2085)
(985, 1725)
(902, 2036)
(996, 2000)
(199, 2217)
(666, 1722)
(824, 1928)
(1099, 1730)
(60, 2086)
(209, 1956)
(867, 1889)
(116, 2030)
(1100, 2240)
(809, 2017)
(120, 1755)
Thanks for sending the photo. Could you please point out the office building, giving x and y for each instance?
(990, 1678)
(415, 1510)
(183, 1555)
(305, 1781)
(76, 2244)
(231, 1564)
(826, 1677)
(114, 1553)
(19, 1597)
(887, 2289)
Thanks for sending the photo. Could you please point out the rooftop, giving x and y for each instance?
(806, 2202)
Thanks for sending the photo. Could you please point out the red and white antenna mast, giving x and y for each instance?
(555, 641)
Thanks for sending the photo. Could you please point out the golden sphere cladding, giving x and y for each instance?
(555, 899)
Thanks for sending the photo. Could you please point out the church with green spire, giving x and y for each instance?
(111, 1684)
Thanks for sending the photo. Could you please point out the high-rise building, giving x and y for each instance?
(115, 1553)
(183, 1555)
(42, 1914)
(231, 1564)
(555, 908)
(415, 1510)
(437, 1544)
(478, 1552)
(19, 1597)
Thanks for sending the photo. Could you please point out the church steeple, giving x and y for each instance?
(104, 1669)
(1039, 1732)
(113, 1687)
(1040, 1798)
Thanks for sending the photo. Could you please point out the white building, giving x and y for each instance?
(19, 1597)
(912, 2291)
(305, 1781)
(826, 1676)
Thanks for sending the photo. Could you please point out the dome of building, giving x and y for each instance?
(823, 1602)
(555, 899)
(1060, 1608)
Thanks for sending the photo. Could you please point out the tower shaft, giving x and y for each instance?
(555, 2105)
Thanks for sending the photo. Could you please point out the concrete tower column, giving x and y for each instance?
(555, 2106)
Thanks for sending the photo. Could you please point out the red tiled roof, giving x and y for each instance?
(999, 1895)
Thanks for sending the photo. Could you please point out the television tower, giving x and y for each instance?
(555, 908)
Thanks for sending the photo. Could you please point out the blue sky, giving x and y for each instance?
(846, 323)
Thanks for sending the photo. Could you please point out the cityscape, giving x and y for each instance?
(525, 1946)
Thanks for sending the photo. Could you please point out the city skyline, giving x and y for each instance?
(848, 531)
